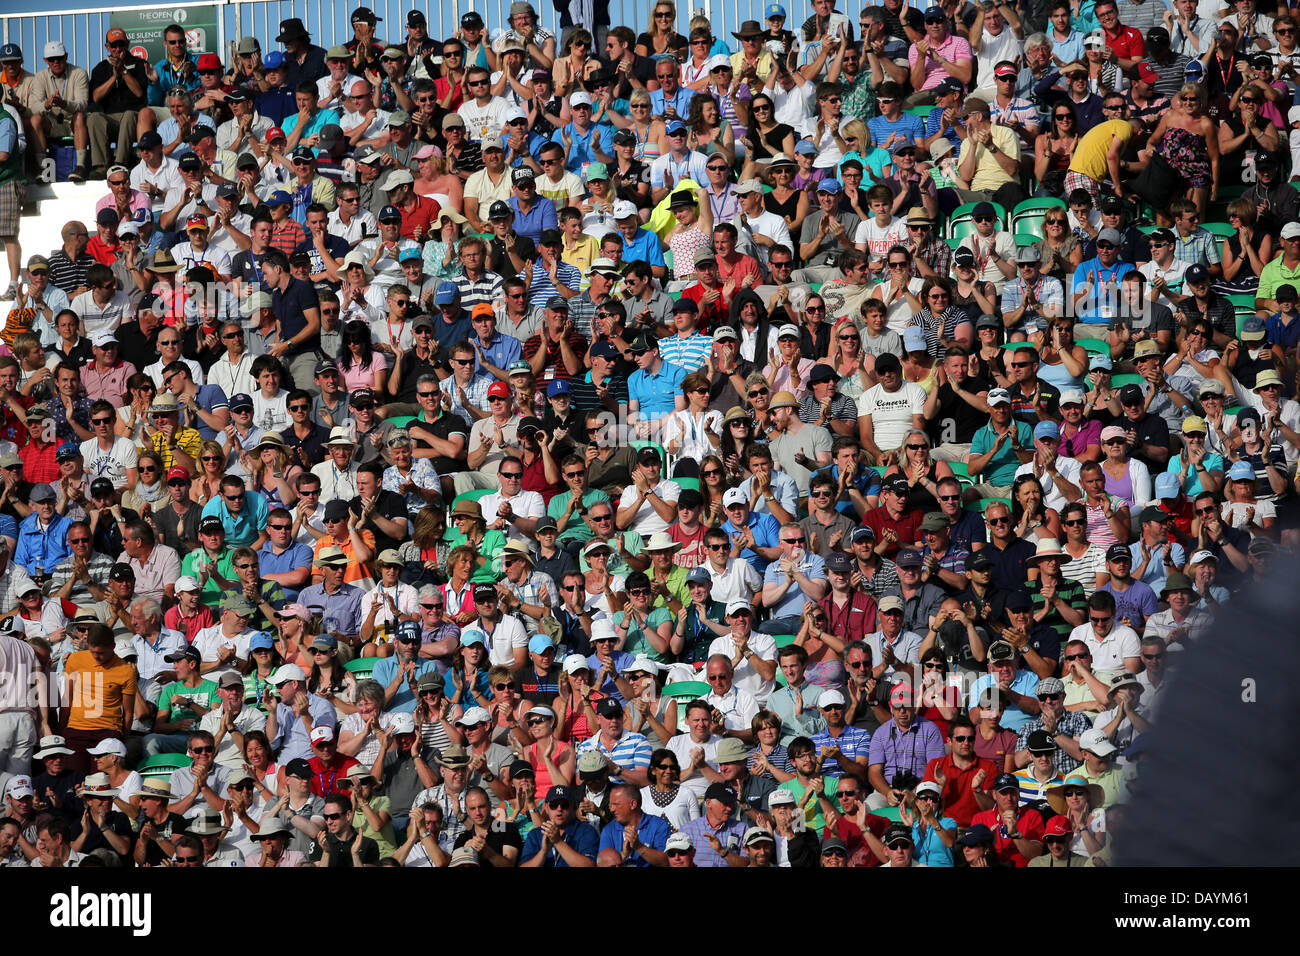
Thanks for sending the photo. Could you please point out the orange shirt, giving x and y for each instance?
(356, 572)
(96, 694)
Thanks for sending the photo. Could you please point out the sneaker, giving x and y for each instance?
(78, 175)
(10, 293)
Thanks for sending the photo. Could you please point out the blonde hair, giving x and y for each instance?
(1196, 90)
(652, 29)
(858, 129)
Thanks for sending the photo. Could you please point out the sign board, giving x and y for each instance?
(144, 29)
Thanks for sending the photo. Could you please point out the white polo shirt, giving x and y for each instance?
(746, 677)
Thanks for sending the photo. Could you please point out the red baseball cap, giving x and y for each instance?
(1146, 74)
(1005, 69)
(1059, 826)
(115, 35)
(177, 472)
(498, 390)
(196, 222)
(274, 133)
(209, 61)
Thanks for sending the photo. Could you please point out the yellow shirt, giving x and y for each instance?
(96, 694)
(1090, 153)
(583, 253)
(763, 68)
(189, 440)
(989, 176)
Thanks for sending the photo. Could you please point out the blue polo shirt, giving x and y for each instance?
(500, 351)
(242, 529)
(644, 247)
(767, 533)
(210, 398)
(1090, 308)
(1013, 718)
(531, 223)
(681, 102)
(600, 135)
(652, 831)
(657, 394)
(867, 482)
(403, 701)
(582, 837)
(39, 549)
(294, 557)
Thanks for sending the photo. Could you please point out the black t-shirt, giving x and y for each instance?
(956, 420)
(133, 345)
(1023, 411)
(1151, 430)
(116, 822)
(444, 427)
(247, 268)
(498, 838)
(312, 447)
(289, 306)
(391, 506)
(108, 534)
(412, 368)
(171, 828)
(539, 688)
(643, 68)
(341, 853)
(499, 262)
(120, 98)
(627, 183)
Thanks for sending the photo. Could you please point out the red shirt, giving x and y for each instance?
(692, 553)
(101, 251)
(908, 527)
(1182, 510)
(1128, 45)
(958, 798)
(711, 316)
(852, 621)
(535, 480)
(423, 215)
(38, 461)
(287, 236)
(859, 853)
(1029, 823)
(11, 429)
(324, 779)
(189, 626)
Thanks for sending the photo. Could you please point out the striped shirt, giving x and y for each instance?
(1069, 591)
(487, 288)
(632, 750)
(1071, 723)
(68, 275)
(584, 393)
(854, 742)
(542, 288)
(690, 351)
(1031, 789)
(884, 581)
(843, 409)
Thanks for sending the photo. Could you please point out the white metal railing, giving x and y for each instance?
(82, 30)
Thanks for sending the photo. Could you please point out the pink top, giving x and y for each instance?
(954, 49)
(358, 376)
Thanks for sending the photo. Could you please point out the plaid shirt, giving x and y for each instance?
(452, 810)
(705, 855)
(1201, 246)
(476, 392)
(1072, 723)
(529, 591)
(937, 255)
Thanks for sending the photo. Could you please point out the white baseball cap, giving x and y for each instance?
(286, 672)
(734, 496)
(186, 583)
(54, 48)
(624, 209)
(1095, 741)
(108, 746)
(472, 716)
(574, 663)
(402, 724)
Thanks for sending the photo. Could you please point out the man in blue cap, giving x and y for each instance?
(451, 324)
(1057, 474)
(400, 674)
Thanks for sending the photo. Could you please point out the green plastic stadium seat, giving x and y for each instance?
(1028, 216)
(1119, 381)
(360, 667)
(1094, 346)
(691, 483)
(983, 504)
(160, 765)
